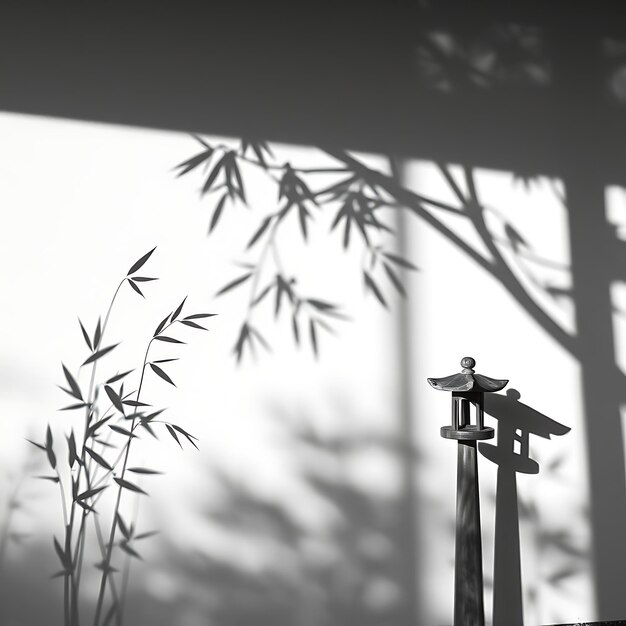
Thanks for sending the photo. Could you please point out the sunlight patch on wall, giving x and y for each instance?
(461, 307)
(615, 202)
(280, 437)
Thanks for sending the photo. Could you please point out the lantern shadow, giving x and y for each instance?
(516, 422)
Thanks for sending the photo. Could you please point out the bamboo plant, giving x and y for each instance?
(99, 459)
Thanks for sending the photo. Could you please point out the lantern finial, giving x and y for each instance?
(468, 363)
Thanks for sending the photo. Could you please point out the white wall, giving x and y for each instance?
(80, 202)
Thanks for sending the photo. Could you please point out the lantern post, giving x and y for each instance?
(468, 389)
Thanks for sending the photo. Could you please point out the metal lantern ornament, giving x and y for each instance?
(468, 389)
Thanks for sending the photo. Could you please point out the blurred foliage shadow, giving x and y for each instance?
(339, 565)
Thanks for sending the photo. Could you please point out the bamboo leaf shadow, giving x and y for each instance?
(346, 571)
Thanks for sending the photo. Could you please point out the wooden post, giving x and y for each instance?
(468, 575)
(468, 388)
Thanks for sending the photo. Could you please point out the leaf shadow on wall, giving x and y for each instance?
(330, 556)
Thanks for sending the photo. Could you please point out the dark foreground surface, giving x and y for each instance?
(619, 622)
(583, 623)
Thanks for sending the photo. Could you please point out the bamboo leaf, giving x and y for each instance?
(342, 213)
(54, 479)
(86, 507)
(94, 427)
(130, 486)
(244, 333)
(160, 327)
(122, 431)
(104, 444)
(99, 354)
(147, 426)
(305, 191)
(122, 525)
(263, 293)
(218, 212)
(262, 147)
(321, 304)
(49, 451)
(260, 338)
(399, 261)
(117, 377)
(258, 149)
(371, 285)
(178, 310)
(67, 391)
(200, 140)
(325, 326)
(65, 560)
(143, 470)
(73, 407)
(303, 214)
(259, 232)
(76, 392)
(97, 335)
(149, 418)
(313, 337)
(159, 372)
(38, 445)
(213, 175)
(174, 435)
(234, 283)
(188, 436)
(194, 161)
(241, 190)
(295, 329)
(124, 545)
(115, 399)
(338, 189)
(196, 316)
(361, 225)
(168, 339)
(85, 335)
(394, 279)
(97, 458)
(143, 279)
(71, 449)
(132, 284)
(90, 493)
(135, 266)
(228, 174)
(285, 210)
(192, 325)
(151, 533)
(182, 431)
(134, 403)
(346, 233)
(278, 299)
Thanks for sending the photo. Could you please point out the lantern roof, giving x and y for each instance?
(467, 380)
